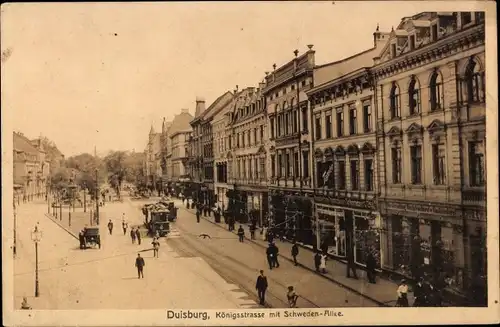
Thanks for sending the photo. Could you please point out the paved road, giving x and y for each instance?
(106, 279)
(240, 263)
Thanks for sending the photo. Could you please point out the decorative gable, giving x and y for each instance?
(318, 153)
(414, 128)
(339, 151)
(368, 148)
(328, 153)
(435, 126)
(394, 131)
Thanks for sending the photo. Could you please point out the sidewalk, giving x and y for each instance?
(79, 220)
(383, 292)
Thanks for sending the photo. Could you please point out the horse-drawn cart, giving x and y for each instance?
(90, 237)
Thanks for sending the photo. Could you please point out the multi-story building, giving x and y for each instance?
(202, 160)
(248, 156)
(153, 160)
(31, 169)
(430, 99)
(166, 155)
(179, 134)
(344, 147)
(289, 172)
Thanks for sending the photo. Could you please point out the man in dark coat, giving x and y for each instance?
(295, 252)
(110, 227)
(253, 227)
(241, 234)
(269, 254)
(132, 235)
(261, 287)
(139, 263)
(419, 294)
(138, 235)
(198, 213)
(81, 237)
(370, 266)
(351, 265)
(317, 260)
(275, 252)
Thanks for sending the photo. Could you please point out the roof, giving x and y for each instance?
(180, 123)
(217, 105)
(22, 143)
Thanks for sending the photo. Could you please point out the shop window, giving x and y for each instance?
(341, 175)
(353, 121)
(317, 127)
(476, 163)
(472, 85)
(367, 118)
(305, 163)
(396, 164)
(354, 174)
(438, 163)
(273, 165)
(414, 96)
(368, 165)
(328, 125)
(394, 101)
(340, 122)
(436, 91)
(416, 164)
(367, 238)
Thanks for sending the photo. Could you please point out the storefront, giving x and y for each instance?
(335, 225)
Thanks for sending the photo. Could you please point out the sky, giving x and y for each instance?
(99, 74)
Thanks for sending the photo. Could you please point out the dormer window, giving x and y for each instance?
(434, 32)
(393, 50)
(412, 42)
(466, 18)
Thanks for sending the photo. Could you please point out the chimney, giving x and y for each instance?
(236, 90)
(200, 106)
(184, 111)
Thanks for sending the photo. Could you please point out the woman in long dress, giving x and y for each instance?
(322, 265)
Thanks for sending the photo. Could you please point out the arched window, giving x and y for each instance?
(436, 91)
(414, 96)
(285, 105)
(473, 83)
(394, 101)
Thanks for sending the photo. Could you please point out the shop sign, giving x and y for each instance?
(419, 207)
(328, 211)
(349, 203)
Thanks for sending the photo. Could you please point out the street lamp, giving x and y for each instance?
(48, 197)
(14, 248)
(84, 197)
(72, 188)
(36, 236)
(97, 195)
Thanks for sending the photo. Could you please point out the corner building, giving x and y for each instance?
(346, 218)
(430, 99)
(289, 176)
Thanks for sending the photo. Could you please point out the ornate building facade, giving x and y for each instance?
(153, 160)
(248, 155)
(289, 172)
(344, 151)
(430, 100)
(179, 134)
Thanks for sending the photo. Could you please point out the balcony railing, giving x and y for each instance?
(475, 196)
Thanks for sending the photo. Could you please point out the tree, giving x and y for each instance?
(59, 178)
(115, 163)
(86, 164)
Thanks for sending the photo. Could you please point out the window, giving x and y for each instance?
(368, 174)
(466, 18)
(305, 163)
(394, 101)
(354, 174)
(479, 16)
(414, 97)
(341, 174)
(396, 165)
(288, 165)
(436, 91)
(243, 139)
(305, 121)
(295, 121)
(438, 164)
(476, 163)
(281, 167)
(238, 140)
(412, 42)
(317, 126)
(261, 133)
(416, 164)
(367, 118)
(255, 136)
(474, 83)
(303, 83)
(273, 165)
(262, 168)
(340, 122)
(328, 125)
(352, 120)
(393, 50)
(296, 164)
(256, 168)
(279, 125)
(248, 138)
(434, 32)
(287, 123)
(271, 122)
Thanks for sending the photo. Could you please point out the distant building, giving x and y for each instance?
(153, 160)
(179, 134)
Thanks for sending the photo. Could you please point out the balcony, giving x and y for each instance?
(288, 182)
(474, 196)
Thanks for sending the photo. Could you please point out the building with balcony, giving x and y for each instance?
(201, 146)
(289, 172)
(344, 155)
(247, 157)
(31, 168)
(430, 99)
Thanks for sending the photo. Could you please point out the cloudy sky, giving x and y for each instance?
(100, 74)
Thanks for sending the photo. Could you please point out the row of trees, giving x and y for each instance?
(114, 169)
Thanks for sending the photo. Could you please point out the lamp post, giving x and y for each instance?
(48, 197)
(60, 205)
(14, 247)
(97, 196)
(84, 197)
(72, 188)
(36, 236)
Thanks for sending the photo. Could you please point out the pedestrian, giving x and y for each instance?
(418, 292)
(124, 225)
(269, 254)
(261, 287)
(263, 232)
(156, 247)
(110, 227)
(270, 236)
(198, 213)
(292, 297)
(241, 234)
(252, 231)
(132, 235)
(351, 265)
(371, 263)
(402, 291)
(295, 252)
(81, 237)
(322, 263)
(275, 255)
(317, 260)
(138, 235)
(139, 263)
